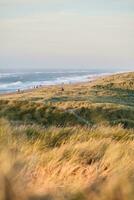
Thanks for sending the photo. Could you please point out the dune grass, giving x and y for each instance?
(72, 145)
(106, 100)
(66, 163)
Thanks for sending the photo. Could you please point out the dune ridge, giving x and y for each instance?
(71, 144)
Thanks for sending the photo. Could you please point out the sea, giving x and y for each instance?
(13, 81)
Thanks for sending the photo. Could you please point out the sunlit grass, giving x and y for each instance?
(70, 163)
(106, 100)
(72, 145)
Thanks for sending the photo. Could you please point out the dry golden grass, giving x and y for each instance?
(105, 100)
(66, 163)
(118, 81)
(76, 144)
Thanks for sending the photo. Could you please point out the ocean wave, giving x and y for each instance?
(66, 79)
(16, 74)
(10, 85)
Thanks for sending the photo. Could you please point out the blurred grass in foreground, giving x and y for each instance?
(72, 163)
(76, 144)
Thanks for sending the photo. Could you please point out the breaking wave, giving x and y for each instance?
(10, 82)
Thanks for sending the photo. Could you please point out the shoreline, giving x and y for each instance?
(38, 87)
(24, 91)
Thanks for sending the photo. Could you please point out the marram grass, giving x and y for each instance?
(66, 163)
(76, 144)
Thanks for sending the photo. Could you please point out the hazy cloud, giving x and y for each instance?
(66, 33)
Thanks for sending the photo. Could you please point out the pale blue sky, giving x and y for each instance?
(43, 34)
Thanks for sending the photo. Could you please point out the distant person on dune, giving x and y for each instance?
(62, 87)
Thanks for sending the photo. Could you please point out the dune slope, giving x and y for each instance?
(76, 144)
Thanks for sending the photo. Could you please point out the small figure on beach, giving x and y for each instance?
(18, 90)
(62, 89)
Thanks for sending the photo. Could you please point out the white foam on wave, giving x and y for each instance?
(13, 86)
(14, 74)
(10, 85)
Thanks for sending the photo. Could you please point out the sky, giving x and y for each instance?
(48, 34)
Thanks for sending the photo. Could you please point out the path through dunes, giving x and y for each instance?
(107, 100)
(76, 144)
